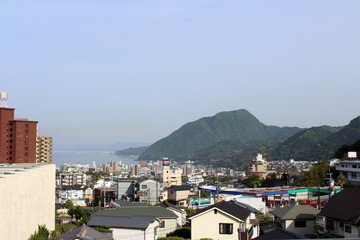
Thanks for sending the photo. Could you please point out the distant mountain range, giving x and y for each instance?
(234, 138)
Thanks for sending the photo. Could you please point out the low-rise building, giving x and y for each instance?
(128, 215)
(224, 220)
(299, 219)
(67, 179)
(340, 216)
(179, 195)
(350, 170)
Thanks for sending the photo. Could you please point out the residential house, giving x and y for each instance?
(84, 233)
(128, 227)
(179, 211)
(341, 215)
(350, 169)
(168, 220)
(299, 219)
(179, 195)
(225, 221)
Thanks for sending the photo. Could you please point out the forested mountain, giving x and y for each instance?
(232, 139)
(317, 143)
(235, 127)
(131, 151)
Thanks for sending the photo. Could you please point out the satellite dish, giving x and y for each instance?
(4, 98)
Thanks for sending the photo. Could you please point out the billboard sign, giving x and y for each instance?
(352, 154)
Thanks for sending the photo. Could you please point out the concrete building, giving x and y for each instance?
(259, 167)
(114, 166)
(135, 170)
(72, 179)
(44, 149)
(27, 199)
(17, 136)
(189, 168)
(172, 176)
(350, 170)
(149, 191)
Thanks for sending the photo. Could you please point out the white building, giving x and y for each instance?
(350, 170)
(27, 199)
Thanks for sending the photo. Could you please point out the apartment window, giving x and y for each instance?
(225, 228)
(300, 223)
(26, 125)
(354, 175)
(26, 160)
(26, 136)
(26, 142)
(354, 166)
(144, 186)
(341, 224)
(26, 148)
(11, 129)
(348, 229)
(26, 154)
(26, 131)
(162, 224)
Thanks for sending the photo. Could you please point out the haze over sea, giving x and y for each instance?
(87, 157)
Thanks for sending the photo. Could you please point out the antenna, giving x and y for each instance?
(4, 98)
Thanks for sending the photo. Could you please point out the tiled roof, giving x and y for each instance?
(231, 207)
(159, 212)
(83, 232)
(296, 212)
(343, 205)
(278, 233)
(133, 222)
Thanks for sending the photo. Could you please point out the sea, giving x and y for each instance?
(88, 157)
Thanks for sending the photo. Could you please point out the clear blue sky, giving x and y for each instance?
(120, 71)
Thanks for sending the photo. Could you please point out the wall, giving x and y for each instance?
(135, 234)
(290, 226)
(27, 200)
(170, 226)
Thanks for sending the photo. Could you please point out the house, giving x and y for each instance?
(299, 219)
(83, 233)
(179, 195)
(341, 215)
(168, 220)
(179, 211)
(225, 220)
(128, 227)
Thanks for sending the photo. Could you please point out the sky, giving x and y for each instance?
(135, 71)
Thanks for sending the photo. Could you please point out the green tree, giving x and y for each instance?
(78, 212)
(189, 212)
(341, 180)
(263, 219)
(181, 232)
(41, 234)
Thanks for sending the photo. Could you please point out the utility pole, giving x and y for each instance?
(331, 183)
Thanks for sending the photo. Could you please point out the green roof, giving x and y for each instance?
(158, 212)
(296, 212)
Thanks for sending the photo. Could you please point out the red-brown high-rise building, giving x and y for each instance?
(17, 138)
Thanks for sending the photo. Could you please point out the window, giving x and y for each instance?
(26, 154)
(26, 125)
(341, 224)
(348, 229)
(162, 224)
(300, 223)
(26, 148)
(354, 175)
(144, 186)
(25, 159)
(225, 228)
(26, 142)
(330, 224)
(26, 131)
(26, 136)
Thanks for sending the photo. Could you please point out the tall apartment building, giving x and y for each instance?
(44, 149)
(17, 136)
